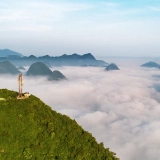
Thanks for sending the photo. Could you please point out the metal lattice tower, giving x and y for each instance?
(20, 84)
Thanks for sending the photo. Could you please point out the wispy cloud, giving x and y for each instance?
(33, 10)
(33, 13)
(123, 9)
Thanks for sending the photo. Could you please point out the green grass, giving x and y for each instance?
(29, 129)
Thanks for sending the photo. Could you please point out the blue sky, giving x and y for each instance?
(104, 28)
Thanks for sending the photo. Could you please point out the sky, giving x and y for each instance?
(100, 27)
(119, 108)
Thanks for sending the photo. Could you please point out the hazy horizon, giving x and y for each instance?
(117, 28)
(98, 57)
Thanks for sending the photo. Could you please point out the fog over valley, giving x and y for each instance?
(120, 108)
(97, 62)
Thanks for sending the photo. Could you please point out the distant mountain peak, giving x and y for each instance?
(46, 56)
(151, 64)
(112, 66)
(88, 56)
(7, 52)
(38, 69)
(8, 68)
(75, 54)
(64, 60)
(32, 56)
(56, 75)
(6, 49)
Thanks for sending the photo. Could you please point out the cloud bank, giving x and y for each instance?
(120, 108)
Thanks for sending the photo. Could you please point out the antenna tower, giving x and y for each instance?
(20, 84)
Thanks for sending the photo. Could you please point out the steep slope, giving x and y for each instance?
(8, 68)
(56, 75)
(38, 69)
(112, 66)
(30, 130)
(7, 52)
(88, 56)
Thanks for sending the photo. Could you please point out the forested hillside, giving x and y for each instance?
(29, 129)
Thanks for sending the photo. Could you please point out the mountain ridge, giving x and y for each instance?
(30, 130)
(7, 52)
(65, 60)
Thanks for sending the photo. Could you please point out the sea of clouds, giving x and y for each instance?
(120, 108)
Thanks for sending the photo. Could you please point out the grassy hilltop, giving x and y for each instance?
(29, 129)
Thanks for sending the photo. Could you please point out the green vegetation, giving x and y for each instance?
(31, 130)
(2, 99)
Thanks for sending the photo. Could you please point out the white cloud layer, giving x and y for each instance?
(120, 108)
